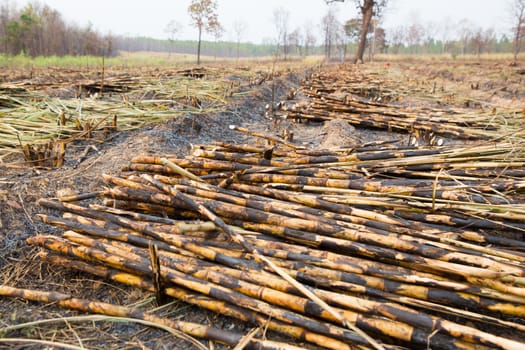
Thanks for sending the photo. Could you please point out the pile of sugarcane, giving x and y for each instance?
(376, 247)
(338, 95)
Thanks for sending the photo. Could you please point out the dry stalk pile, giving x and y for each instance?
(411, 247)
(33, 123)
(337, 94)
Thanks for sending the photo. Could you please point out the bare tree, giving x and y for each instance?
(342, 41)
(309, 38)
(477, 40)
(414, 36)
(397, 38)
(281, 19)
(53, 39)
(204, 16)
(330, 26)
(481, 39)
(368, 9)
(517, 8)
(445, 29)
(173, 29)
(239, 27)
(431, 30)
(465, 34)
(295, 39)
(380, 40)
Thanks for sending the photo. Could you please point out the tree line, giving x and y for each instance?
(342, 39)
(455, 38)
(39, 30)
(187, 47)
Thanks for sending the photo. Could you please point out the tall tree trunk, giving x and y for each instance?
(199, 47)
(518, 34)
(285, 46)
(367, 10)
(517, 40)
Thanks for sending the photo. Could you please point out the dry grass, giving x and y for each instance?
(469, 58)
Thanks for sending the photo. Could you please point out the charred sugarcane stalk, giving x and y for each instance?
(368, 323)
(396, 313)
(187, 329)
(324, 94)
(341, 234)
(211, 289)
(346, 264)
(251, 249)
(200, 300)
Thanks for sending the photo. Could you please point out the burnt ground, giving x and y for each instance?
(22, 186)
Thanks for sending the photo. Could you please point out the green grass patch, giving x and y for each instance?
(123, 59)
(136, 59)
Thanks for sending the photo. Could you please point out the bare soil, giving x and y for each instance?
(473, 84)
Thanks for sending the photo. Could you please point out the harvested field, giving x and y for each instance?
(376, 206)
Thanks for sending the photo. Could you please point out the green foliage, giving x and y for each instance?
(39, 30)
(457, 47)
(21, 30)
(352, 28)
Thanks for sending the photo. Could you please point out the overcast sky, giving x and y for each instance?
(150, 18)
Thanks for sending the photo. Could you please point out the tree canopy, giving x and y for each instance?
(204, 16)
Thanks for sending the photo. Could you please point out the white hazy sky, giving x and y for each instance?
(150, 18)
